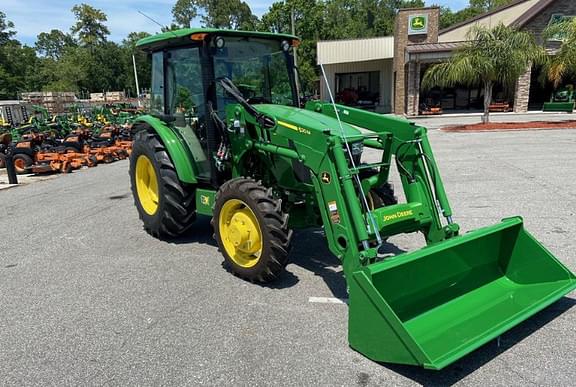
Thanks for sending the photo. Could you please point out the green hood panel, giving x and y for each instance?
(310, 120)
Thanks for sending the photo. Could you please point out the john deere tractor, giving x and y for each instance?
(227, 138)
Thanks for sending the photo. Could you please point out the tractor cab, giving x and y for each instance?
(187, 66)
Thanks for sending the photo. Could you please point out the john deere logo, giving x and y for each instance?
(418, 24)
(326, 179)
(205, 200)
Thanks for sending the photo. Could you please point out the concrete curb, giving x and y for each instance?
(449, 130)
(8, 186)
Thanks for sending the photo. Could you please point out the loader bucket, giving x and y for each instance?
(433, 306)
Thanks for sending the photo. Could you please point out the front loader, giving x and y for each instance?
(227, 137)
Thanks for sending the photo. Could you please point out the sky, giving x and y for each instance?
(34, 16)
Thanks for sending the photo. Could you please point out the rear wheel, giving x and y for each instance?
(22, 162)
(165, 205)
(251, 230)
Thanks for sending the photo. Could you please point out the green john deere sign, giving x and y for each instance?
(417, 24)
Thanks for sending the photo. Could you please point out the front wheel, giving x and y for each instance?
(251, 230)
(165, 205)
(22, 163)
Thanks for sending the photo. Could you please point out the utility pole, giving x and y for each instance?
(136, 79)
(294, 33)
(297, 73)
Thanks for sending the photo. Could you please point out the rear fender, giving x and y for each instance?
(175, 146)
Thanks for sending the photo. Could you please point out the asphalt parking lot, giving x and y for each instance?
(87, 297)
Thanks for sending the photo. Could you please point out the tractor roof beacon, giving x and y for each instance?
(227, 137)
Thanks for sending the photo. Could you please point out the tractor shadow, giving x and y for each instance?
(200, 232)
(310, 252)
(475, 360)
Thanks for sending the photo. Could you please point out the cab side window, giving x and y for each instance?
(185, 95)
(157, 97)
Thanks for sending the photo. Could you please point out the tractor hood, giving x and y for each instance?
(306, 119)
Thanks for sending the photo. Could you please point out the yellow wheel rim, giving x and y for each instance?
(147, 185)
(240, 233)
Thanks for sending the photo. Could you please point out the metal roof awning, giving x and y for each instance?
(430, 52)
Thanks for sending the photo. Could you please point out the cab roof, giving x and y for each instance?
(177, 37)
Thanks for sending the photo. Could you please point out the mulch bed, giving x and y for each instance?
(505, 126)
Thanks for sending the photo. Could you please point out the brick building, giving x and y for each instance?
(384, 74)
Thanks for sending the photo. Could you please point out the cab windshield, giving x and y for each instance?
(259, 68)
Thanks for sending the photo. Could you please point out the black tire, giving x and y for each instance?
(276, 235)
(93, 160)
(24, 161)
(71, 149)
(122, 154)
(74, 146)
(176, 202)
(2, 160)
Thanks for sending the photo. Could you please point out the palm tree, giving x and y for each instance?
(563, 63)
(490, 55)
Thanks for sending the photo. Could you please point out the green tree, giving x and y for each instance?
(309, 20)
(69, 72)
(17, 62)
(52, 44)
(490, 55)
(230, 14)
(143, 65)
(488, 5)
(89, 25)
(6, 32)
(563, 64)
(475, 8)
(328, 20)
(107, 68)
(18, 66)
(449, 18)
(184, 12)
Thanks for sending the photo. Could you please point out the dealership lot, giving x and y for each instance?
(87, 297)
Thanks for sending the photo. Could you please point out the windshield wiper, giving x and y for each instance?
(231, 89)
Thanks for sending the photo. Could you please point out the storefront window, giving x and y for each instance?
(358, 89)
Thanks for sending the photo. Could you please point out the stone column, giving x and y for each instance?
(413, 95)
(522, 93)
(403, 40)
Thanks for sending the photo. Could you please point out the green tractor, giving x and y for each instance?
(228, 138)
(562, 100)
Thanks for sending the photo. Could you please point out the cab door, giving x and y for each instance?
(185, 101)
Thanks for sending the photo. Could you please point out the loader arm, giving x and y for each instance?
(409, 145)
(324, 153)
(428, 307)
